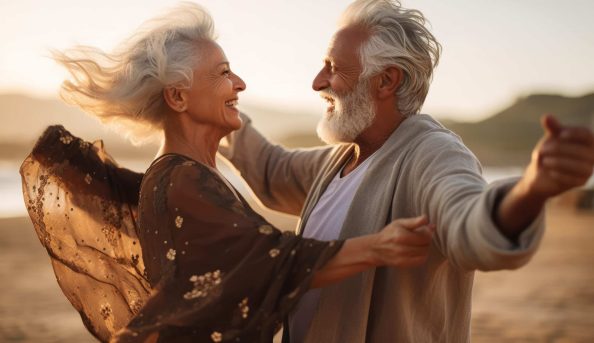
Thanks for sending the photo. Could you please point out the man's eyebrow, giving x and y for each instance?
(220, 64)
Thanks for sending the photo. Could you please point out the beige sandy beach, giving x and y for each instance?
(549, 300)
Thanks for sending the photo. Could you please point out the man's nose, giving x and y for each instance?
(321, 81)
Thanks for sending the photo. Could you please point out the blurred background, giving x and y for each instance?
(504, 64)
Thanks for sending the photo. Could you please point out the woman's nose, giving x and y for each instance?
(238, 83)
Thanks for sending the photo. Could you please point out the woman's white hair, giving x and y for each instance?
(125, 87)
(398, 37)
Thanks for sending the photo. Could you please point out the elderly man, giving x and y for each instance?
(397, 163)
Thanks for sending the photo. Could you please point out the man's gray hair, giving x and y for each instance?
(398, 37)
(125, 87)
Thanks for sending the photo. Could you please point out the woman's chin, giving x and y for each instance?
(234, 120)
(234, 123)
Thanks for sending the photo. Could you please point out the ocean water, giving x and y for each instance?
(11, 196)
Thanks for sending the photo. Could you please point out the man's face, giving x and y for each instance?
(350, 109)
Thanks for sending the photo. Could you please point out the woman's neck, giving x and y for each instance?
(197, 141)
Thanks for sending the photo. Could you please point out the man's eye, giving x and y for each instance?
(226, 72)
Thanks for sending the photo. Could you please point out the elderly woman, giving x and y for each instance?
(187, 259)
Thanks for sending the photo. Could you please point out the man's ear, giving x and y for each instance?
(389, 81)
(175, 98)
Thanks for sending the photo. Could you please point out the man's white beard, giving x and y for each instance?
(352, 114)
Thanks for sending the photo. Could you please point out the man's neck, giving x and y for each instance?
(372, 139)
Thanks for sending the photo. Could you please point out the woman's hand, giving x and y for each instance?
(403, 243)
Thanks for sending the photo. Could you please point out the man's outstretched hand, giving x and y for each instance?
(562, 159)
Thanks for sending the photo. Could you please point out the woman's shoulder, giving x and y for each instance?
(169, 163)
(177, 178)
(179, 173)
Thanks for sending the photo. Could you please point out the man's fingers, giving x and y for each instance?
(412, 223)
(551, 125)
(570, 166)
(567, 150)
(578, 135)
(567, 180)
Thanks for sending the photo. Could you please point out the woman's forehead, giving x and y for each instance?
(211, 54)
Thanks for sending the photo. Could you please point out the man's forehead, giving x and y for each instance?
(347, 41)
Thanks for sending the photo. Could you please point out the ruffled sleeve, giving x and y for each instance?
(84, 208)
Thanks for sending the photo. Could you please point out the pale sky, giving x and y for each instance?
(493, 51)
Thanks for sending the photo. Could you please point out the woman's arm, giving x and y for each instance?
(402, 243)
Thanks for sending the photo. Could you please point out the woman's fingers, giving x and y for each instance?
(406, 242)
(411, 223)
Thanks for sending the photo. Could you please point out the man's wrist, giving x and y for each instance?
(517, 209)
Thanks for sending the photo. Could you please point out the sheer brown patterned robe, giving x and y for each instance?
(188, 261)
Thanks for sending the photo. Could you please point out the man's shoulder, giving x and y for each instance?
(427, 132)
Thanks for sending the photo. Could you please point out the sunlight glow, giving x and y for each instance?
(493, 51)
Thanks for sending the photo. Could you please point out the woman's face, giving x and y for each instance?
(212, 98)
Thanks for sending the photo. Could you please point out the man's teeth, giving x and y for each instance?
(231, 103)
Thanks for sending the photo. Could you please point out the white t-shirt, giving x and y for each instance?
(324, 224)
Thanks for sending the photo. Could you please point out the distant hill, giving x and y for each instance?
(24, 118)
(503, 139)
(507, 138)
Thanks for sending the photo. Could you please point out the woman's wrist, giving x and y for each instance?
(373, 255)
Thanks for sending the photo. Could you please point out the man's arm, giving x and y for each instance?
(279, 177)
(562, 159)
(472, 217)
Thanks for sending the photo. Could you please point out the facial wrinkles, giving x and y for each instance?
(216, 78)
(345, 71)
(349, 75)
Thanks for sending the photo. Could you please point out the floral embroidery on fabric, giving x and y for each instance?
(105, 311)
(84, 145)
(171, 255)
(179, 221)
(274, 252)
(216, 336)
(203, 284)
(88, 179)
(265, 229)
(66, 139)
(244, 308)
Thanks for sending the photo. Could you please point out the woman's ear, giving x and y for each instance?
(389, 82)
(175, 98)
